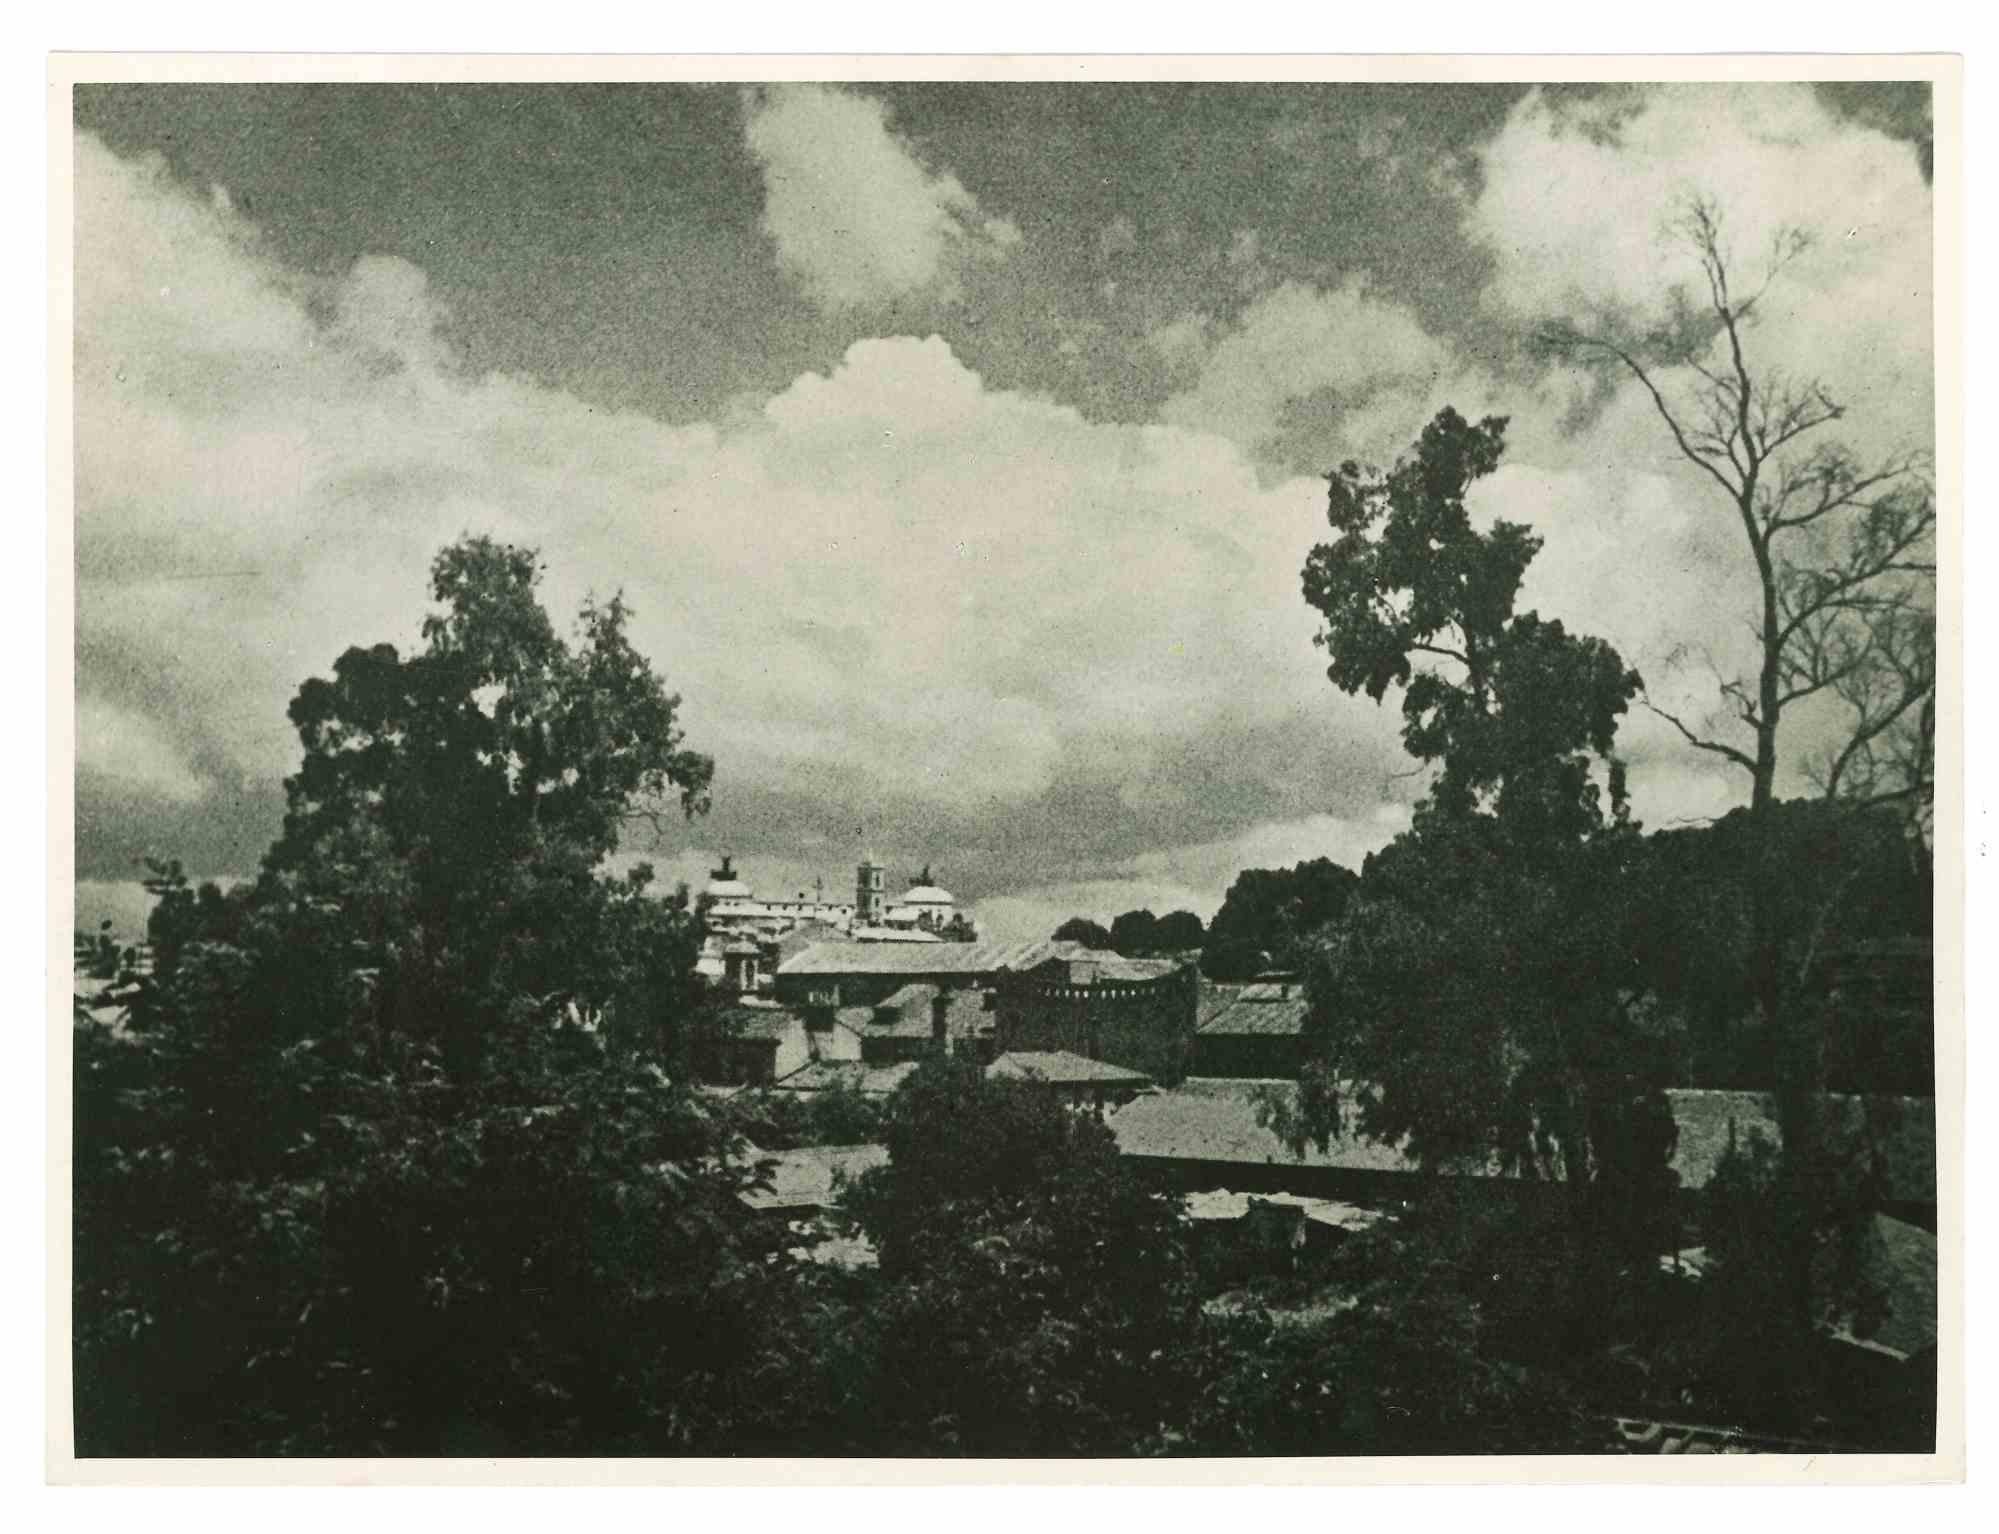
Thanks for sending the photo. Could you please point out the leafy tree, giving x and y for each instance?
(1135, 933)
(1177, 932)
(1032, 1291)
(396, 1157)
(1473, 1002)
(1269, 914)
(1080, 929)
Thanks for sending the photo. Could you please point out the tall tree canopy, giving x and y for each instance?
(1080, 929)
(443, 833)
(1270, 915)
(1034, 1290)
(1509, 708)
(1472, 1002)
(395, 1157)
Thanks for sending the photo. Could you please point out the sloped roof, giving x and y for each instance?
(1906, 1139)
(919, 959)
(1205, 1119)
(1211, 1119)
(1252, 1009)
(1058, 1067)
(1115, 966)
(1903, 1262)
(764, 1023)
(906, 1014)
(813, 1176)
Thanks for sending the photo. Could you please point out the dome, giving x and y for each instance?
(928, 894)
(727, 889)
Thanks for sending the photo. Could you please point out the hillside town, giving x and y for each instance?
(1327, 855)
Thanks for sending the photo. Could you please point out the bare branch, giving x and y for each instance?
(1719, 748)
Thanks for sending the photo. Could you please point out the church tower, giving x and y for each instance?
(870, 893)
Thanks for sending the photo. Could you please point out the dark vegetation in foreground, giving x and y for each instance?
(393, 1153)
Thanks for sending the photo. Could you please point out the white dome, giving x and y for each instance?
(928, 894)
(727, 889)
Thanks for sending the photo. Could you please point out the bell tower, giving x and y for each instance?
(870, 892)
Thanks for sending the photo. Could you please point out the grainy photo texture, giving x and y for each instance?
(1031, 770)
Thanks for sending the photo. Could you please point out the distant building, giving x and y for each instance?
(734, 913)
(1136, 1014)
(1075, 1079)
(860, 974)
(1252, 1030)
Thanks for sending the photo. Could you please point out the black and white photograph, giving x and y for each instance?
(833, 766)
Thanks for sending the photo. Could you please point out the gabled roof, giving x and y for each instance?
(1058, 1067)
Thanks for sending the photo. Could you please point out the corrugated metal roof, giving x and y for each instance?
(1058, 1067)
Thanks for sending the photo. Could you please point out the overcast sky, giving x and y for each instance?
(958, 447)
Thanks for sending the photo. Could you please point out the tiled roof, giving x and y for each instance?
(906, 1014)
(1252, 1009)
(812, 1177)
(1058, 1067)
(920, 958)
(766, 1023)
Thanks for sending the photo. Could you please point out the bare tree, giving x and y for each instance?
(1844, 551)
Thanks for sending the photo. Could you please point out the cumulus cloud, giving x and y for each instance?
(1368, 362)
(857, 217)
(1579, 200)
(917, 604)
(132, 751)
(1576, 211)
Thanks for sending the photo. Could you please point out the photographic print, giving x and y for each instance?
(1127, 770)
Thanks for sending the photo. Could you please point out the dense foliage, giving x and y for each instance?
(1270, 916)
(391, 1155)
(1032, 1293)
